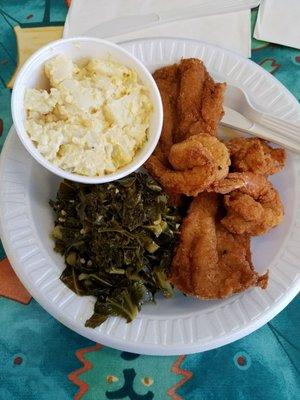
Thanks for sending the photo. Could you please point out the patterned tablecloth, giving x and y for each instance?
(41, 359)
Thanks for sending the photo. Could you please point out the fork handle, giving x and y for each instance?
(289, 142)
(276, 124)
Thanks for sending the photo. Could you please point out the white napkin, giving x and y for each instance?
(278, 21)
(231, 31)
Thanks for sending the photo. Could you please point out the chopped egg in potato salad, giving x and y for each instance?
(93, 119)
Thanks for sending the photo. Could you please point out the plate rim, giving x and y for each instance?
(224, 49)
(141, 347)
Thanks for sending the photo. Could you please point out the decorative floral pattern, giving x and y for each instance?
(41, 359)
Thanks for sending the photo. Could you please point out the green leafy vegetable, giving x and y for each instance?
(117, 240)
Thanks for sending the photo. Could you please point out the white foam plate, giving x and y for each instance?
(180, 325)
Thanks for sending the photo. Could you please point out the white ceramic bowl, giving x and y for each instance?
(32, 76)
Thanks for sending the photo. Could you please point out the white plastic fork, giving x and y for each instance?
(280, 131)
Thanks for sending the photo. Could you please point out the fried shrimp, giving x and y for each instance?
(210, 262)
(253, 205)
(255, 155)
(187, 154)
(197, 161)
(189, 182)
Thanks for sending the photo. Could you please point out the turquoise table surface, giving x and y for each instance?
(40, 359)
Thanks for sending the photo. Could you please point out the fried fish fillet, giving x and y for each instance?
(210, 262)
(200, 101)
(167, 80)
(191, 99)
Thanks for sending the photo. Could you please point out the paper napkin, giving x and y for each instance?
(231, 31)
(278, 21)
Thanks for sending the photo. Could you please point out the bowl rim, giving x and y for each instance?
(28, 144)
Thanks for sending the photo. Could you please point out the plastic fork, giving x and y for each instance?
(279, 131)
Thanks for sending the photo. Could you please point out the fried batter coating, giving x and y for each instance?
(193, 75)
(200, 101)
(191, 153)
(166, 138)
(255, 155)
(167, 80)
(253, 204)
(185, 155)
(210, 262)
(197, 161)
(169, 74)
(192, 101)
(189, 182)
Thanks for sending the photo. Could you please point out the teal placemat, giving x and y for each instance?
(40, 359)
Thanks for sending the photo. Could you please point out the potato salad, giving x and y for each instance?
(92, 119)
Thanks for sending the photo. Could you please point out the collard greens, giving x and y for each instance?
(117, 240)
